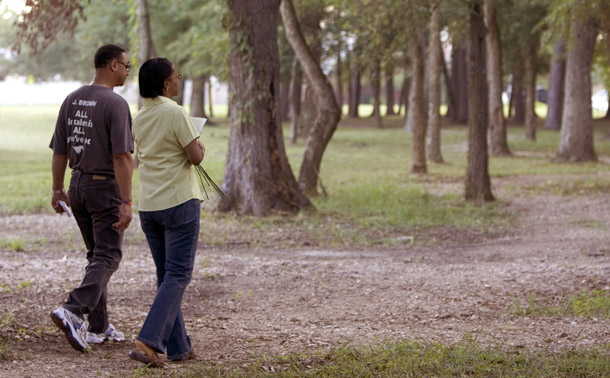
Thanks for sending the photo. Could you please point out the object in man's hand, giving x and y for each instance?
(65, 207)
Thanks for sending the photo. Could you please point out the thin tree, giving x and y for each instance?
(478, 183)
(497, 125)
(434, 86)
(531, 52)
(556, 87)
(257, 178)
(417, 106)
(328, 112)
(577, 121)
(198, 96)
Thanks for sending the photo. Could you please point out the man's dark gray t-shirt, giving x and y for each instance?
(94, 123)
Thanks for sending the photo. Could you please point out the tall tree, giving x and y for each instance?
(497, 126)
(458, 113)
(434, 86)
(376, 86)
(257, 179)
(389, 90)
(577, 121)
(146, 47)
(328, 112)
(556, 87)
(530, 86)
(198, 96)
(478, 183)
(417, 106)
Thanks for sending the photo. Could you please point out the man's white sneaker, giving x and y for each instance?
(74, 327)
(111, 334)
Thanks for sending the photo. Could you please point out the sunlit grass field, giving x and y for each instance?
(365, 173)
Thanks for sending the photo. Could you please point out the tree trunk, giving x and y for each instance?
(478, 183)
(434, 87)
(459, 78)
(450, 91)
(339, 80)
(518, 97)
(389, 90)
(577, 122)
(354, 100)
(146, 47)
(198, 97)
(210, 97)
(257, 179)
(404, 95)
(328, 114)
(376, 84)
(296, 83)
(417, 107)
(530, 91)
(497, 125)
(181, 90)
(556, 87)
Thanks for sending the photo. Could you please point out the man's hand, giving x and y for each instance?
(62, 196)
(125, 216)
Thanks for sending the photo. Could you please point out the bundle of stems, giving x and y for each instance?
(204, 178)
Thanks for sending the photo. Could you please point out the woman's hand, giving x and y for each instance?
(195, 151)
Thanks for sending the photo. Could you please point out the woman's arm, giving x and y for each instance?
(195, 151)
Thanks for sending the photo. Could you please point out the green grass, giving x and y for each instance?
(372, 198)
(585, 303)
(467, 358)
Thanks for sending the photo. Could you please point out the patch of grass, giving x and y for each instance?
(13, 244)
(585, 303)
(5, 350)
(415, 359)
(7, 319)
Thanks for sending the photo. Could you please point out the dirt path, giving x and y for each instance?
(252, 302)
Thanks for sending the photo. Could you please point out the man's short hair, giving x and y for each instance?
(105, 54)
(152, 75)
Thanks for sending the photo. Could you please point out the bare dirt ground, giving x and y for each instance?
(244, 303)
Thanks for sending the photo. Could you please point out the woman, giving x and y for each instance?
(167, 144)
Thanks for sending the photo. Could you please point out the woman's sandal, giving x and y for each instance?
(147, 355)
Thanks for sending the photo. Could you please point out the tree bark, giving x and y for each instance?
(417, 107)
(434, 87)
(518, 97)
(556, 87)
(577, 121)
(146, 47)
(376, 84)
(355, 86)
(389, 90)
(530, 91)
(210, 96)
(296, 83)
(258, 179)
(459, 78)
(404, 95)
(198, 97)
(478, 183)
(328, 113)
(339, 80)
(497, 126)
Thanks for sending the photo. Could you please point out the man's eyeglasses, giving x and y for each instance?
(127, 65)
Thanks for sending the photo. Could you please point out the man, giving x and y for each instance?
(93, 135)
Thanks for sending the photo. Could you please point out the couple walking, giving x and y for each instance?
(95, 136)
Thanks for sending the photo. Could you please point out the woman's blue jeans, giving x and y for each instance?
(172, 236)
